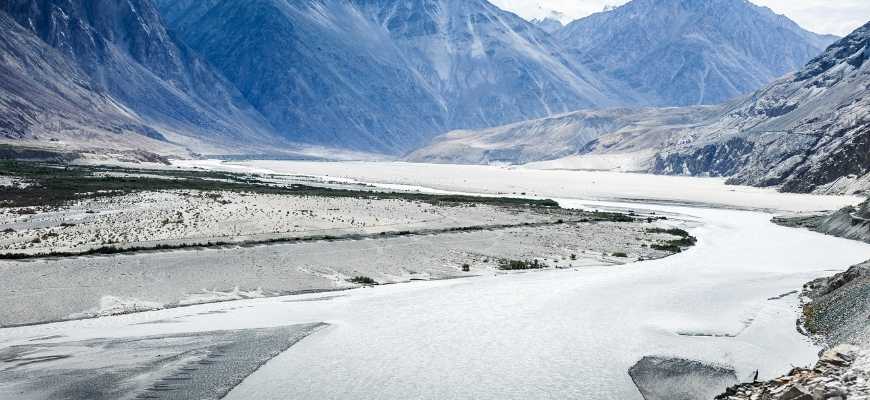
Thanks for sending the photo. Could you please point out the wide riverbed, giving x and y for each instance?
(551, 334)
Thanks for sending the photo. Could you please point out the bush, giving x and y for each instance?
(510, 265)
(466, 268)
(600, 216)
(676, 245)
(673, 231)
(620, 254)
(363, 280)
(667, 247)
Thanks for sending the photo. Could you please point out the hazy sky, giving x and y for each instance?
(822, 16)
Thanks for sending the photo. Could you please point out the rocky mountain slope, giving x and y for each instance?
(805, 132)
(624, 139)
(112, 67)
(687, 52)
(36, 106)
(548, 24)
(852, 222)
(383, 75)
(263, 76)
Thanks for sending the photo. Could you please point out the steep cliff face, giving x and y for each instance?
(686, 52)
(123, 52)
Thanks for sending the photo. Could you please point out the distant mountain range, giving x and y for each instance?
(691, 52)
(382, 76)
(385, 75)
(806, 132)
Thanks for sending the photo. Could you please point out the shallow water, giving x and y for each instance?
(568, 334)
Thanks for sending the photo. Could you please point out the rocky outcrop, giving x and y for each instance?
(666, 378)
(841, 373)
(852, 222)
(838, 310)
(713, 159)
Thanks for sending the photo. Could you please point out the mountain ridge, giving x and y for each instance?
(271, 76)
(691, 52)
(806, 132)
(435, 65)
(127, 56)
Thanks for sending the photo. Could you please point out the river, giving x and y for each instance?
(551, 334)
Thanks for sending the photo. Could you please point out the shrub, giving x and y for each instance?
(611, 217)
(466, 268)
(676, 245)
(671, 231)
(667, 247)
(363, 280)
(510, 265)
(620, 254)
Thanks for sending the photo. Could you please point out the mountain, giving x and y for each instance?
(689, 52)
(111, 66)
(549, 25)
(385, 75)
(632, 137)
(46, 100)
(377, 76)
(809, 131)
(806, 132)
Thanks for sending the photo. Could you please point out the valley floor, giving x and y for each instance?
(559, 333)
(513, 181)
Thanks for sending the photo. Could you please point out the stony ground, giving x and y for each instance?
(73, 287)
(841, 373)
(151, 242)
(150, 218)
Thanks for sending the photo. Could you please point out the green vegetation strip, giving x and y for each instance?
(513, 265)
(675, 245)
(55, 185)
